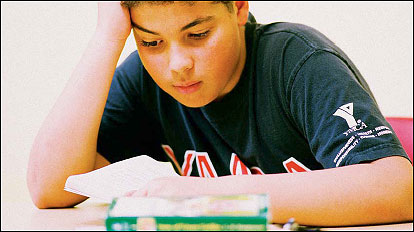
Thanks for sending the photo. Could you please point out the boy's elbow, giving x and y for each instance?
(394, 190)
(40, 202)
(44, 196)
(37, 192)
(34, 189)
(406, 201)
(401, 192)
(44, 200)
(402, 208)
(38, 195)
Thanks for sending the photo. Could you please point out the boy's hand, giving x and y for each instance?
(173, 186)
(114, 22)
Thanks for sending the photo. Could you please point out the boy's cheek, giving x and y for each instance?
(156, 67)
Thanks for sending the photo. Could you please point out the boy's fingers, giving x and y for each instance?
(130, 193)
(136, 193)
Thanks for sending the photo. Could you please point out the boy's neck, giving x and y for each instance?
(239, 69)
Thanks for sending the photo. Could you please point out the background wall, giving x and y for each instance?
(41, 43)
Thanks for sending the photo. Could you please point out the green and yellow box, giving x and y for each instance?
(232, 212)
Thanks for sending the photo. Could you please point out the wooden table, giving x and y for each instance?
(90, 215)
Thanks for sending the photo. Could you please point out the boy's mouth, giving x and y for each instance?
(189, 87)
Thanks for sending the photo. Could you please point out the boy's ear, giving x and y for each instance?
(242, 8)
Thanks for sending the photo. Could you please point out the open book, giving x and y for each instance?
(118, 178)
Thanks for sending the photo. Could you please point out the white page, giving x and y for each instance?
(118, 178)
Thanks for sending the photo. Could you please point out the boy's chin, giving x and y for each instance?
(193, 103)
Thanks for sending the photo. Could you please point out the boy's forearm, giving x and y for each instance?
(375, 193)
(352, 195)
(66, 142)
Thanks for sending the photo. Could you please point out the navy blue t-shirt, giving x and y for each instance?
(300, 105)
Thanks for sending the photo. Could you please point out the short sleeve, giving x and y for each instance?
(338, 115)
(127, 128)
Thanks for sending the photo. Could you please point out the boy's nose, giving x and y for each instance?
(179, 61)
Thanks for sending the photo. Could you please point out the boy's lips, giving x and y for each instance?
(188, 87)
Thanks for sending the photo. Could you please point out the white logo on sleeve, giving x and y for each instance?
(347, 112)
(356, 131)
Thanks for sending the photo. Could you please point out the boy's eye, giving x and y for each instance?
(199, 35)
(151, 43)
(156, 43)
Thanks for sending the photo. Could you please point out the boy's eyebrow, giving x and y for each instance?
(142, 29)
(196, 22)
(192, 24)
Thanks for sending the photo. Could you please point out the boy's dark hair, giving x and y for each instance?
(131, 4)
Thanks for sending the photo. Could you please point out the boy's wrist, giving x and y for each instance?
(106, 38)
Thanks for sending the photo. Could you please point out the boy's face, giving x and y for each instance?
(195, 53)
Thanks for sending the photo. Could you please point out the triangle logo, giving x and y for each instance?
(348, 108)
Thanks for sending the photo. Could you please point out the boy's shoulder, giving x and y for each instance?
(310, 36)
(282, 48)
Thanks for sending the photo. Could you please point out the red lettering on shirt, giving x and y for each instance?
(170, 153)
(237, 167)
(188, 162)
(292, 165)
(256, 171)
(204, 165)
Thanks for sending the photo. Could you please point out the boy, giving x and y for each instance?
(228, 99)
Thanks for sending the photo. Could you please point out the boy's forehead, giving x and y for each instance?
(180, 12)
(132, 4)
(160, 3)
(207, 5)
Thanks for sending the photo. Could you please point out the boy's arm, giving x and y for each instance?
(66, 142)
(371, 193)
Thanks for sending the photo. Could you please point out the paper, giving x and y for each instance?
(118, 178)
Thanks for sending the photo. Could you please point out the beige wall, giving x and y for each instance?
(42, 42)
